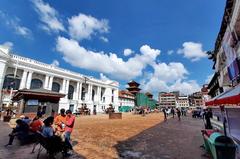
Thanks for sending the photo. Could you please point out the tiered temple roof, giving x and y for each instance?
(133, 87)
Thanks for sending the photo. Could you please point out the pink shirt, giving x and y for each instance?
(70, 123)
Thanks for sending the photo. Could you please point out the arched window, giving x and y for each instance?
(55, 87)
(11, 82)
(93, 94)
(70, 92)
(36, 84)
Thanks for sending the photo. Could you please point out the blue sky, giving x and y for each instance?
(160, 44)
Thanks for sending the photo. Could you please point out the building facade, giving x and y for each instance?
(225, 84)
(145, 100)
(18, 72)
(126, 101)
(213, 86)
(205, 95)
(195, 100)
(167, 99)
(182, 102)
(226, 54)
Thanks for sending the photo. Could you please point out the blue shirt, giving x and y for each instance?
(47, 131)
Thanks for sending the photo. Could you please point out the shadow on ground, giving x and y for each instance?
(172, 139)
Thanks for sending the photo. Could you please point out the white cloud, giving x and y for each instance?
(128, 52)
(48, 16)
(104, 39)
(169, 72)
(192, 50)
(169, 77)
(55, 63)
(185, 87)
(108, 63)
(208, 79)
(103, 77)
(170, 52)
(156, 85)
(84, 26)
(14, 23)
(8, 45)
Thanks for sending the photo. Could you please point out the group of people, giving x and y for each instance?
(179, 112)
(51, 128)
(84, 110)
(143, 110)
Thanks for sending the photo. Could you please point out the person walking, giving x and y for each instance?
(182, 111)
(173, 112)
(208, 116)
(165, 114)
(179, 114)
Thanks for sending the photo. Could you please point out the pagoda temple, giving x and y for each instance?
(133, 87)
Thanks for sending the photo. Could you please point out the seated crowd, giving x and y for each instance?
(55, 130)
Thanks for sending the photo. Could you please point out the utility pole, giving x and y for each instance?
(14, 83)
(85, 83)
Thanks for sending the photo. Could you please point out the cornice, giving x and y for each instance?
(43, 68)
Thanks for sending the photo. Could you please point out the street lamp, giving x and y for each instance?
(85, 84)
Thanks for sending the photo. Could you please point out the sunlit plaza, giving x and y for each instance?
(120, 79)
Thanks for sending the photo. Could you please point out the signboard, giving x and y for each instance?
(234, 122)
(32, 102)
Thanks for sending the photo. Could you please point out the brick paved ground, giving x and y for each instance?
(168, 140)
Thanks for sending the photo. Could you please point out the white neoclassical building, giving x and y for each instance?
(17, 72)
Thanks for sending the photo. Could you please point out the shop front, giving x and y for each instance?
(31, 101)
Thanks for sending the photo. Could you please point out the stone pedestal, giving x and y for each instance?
(115, 115)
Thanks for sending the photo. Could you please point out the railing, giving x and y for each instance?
(48, 66)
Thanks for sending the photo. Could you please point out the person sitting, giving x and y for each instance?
(47, 129)
(36, 125)
(55, 143)
(21, 131)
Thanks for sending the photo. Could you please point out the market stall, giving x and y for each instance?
(226, 113)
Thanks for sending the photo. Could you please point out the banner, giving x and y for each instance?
(230, 53)
(233, 69)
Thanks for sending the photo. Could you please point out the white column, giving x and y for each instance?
(46, 82)
(63, 86)
(115, 98)
(50, 83)
(66, 88)
(80, 92)
(23, 80)
(99, 93)
(91, 88)
(77, 92)
(3, 68)
(29, 79)
(89, 92)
